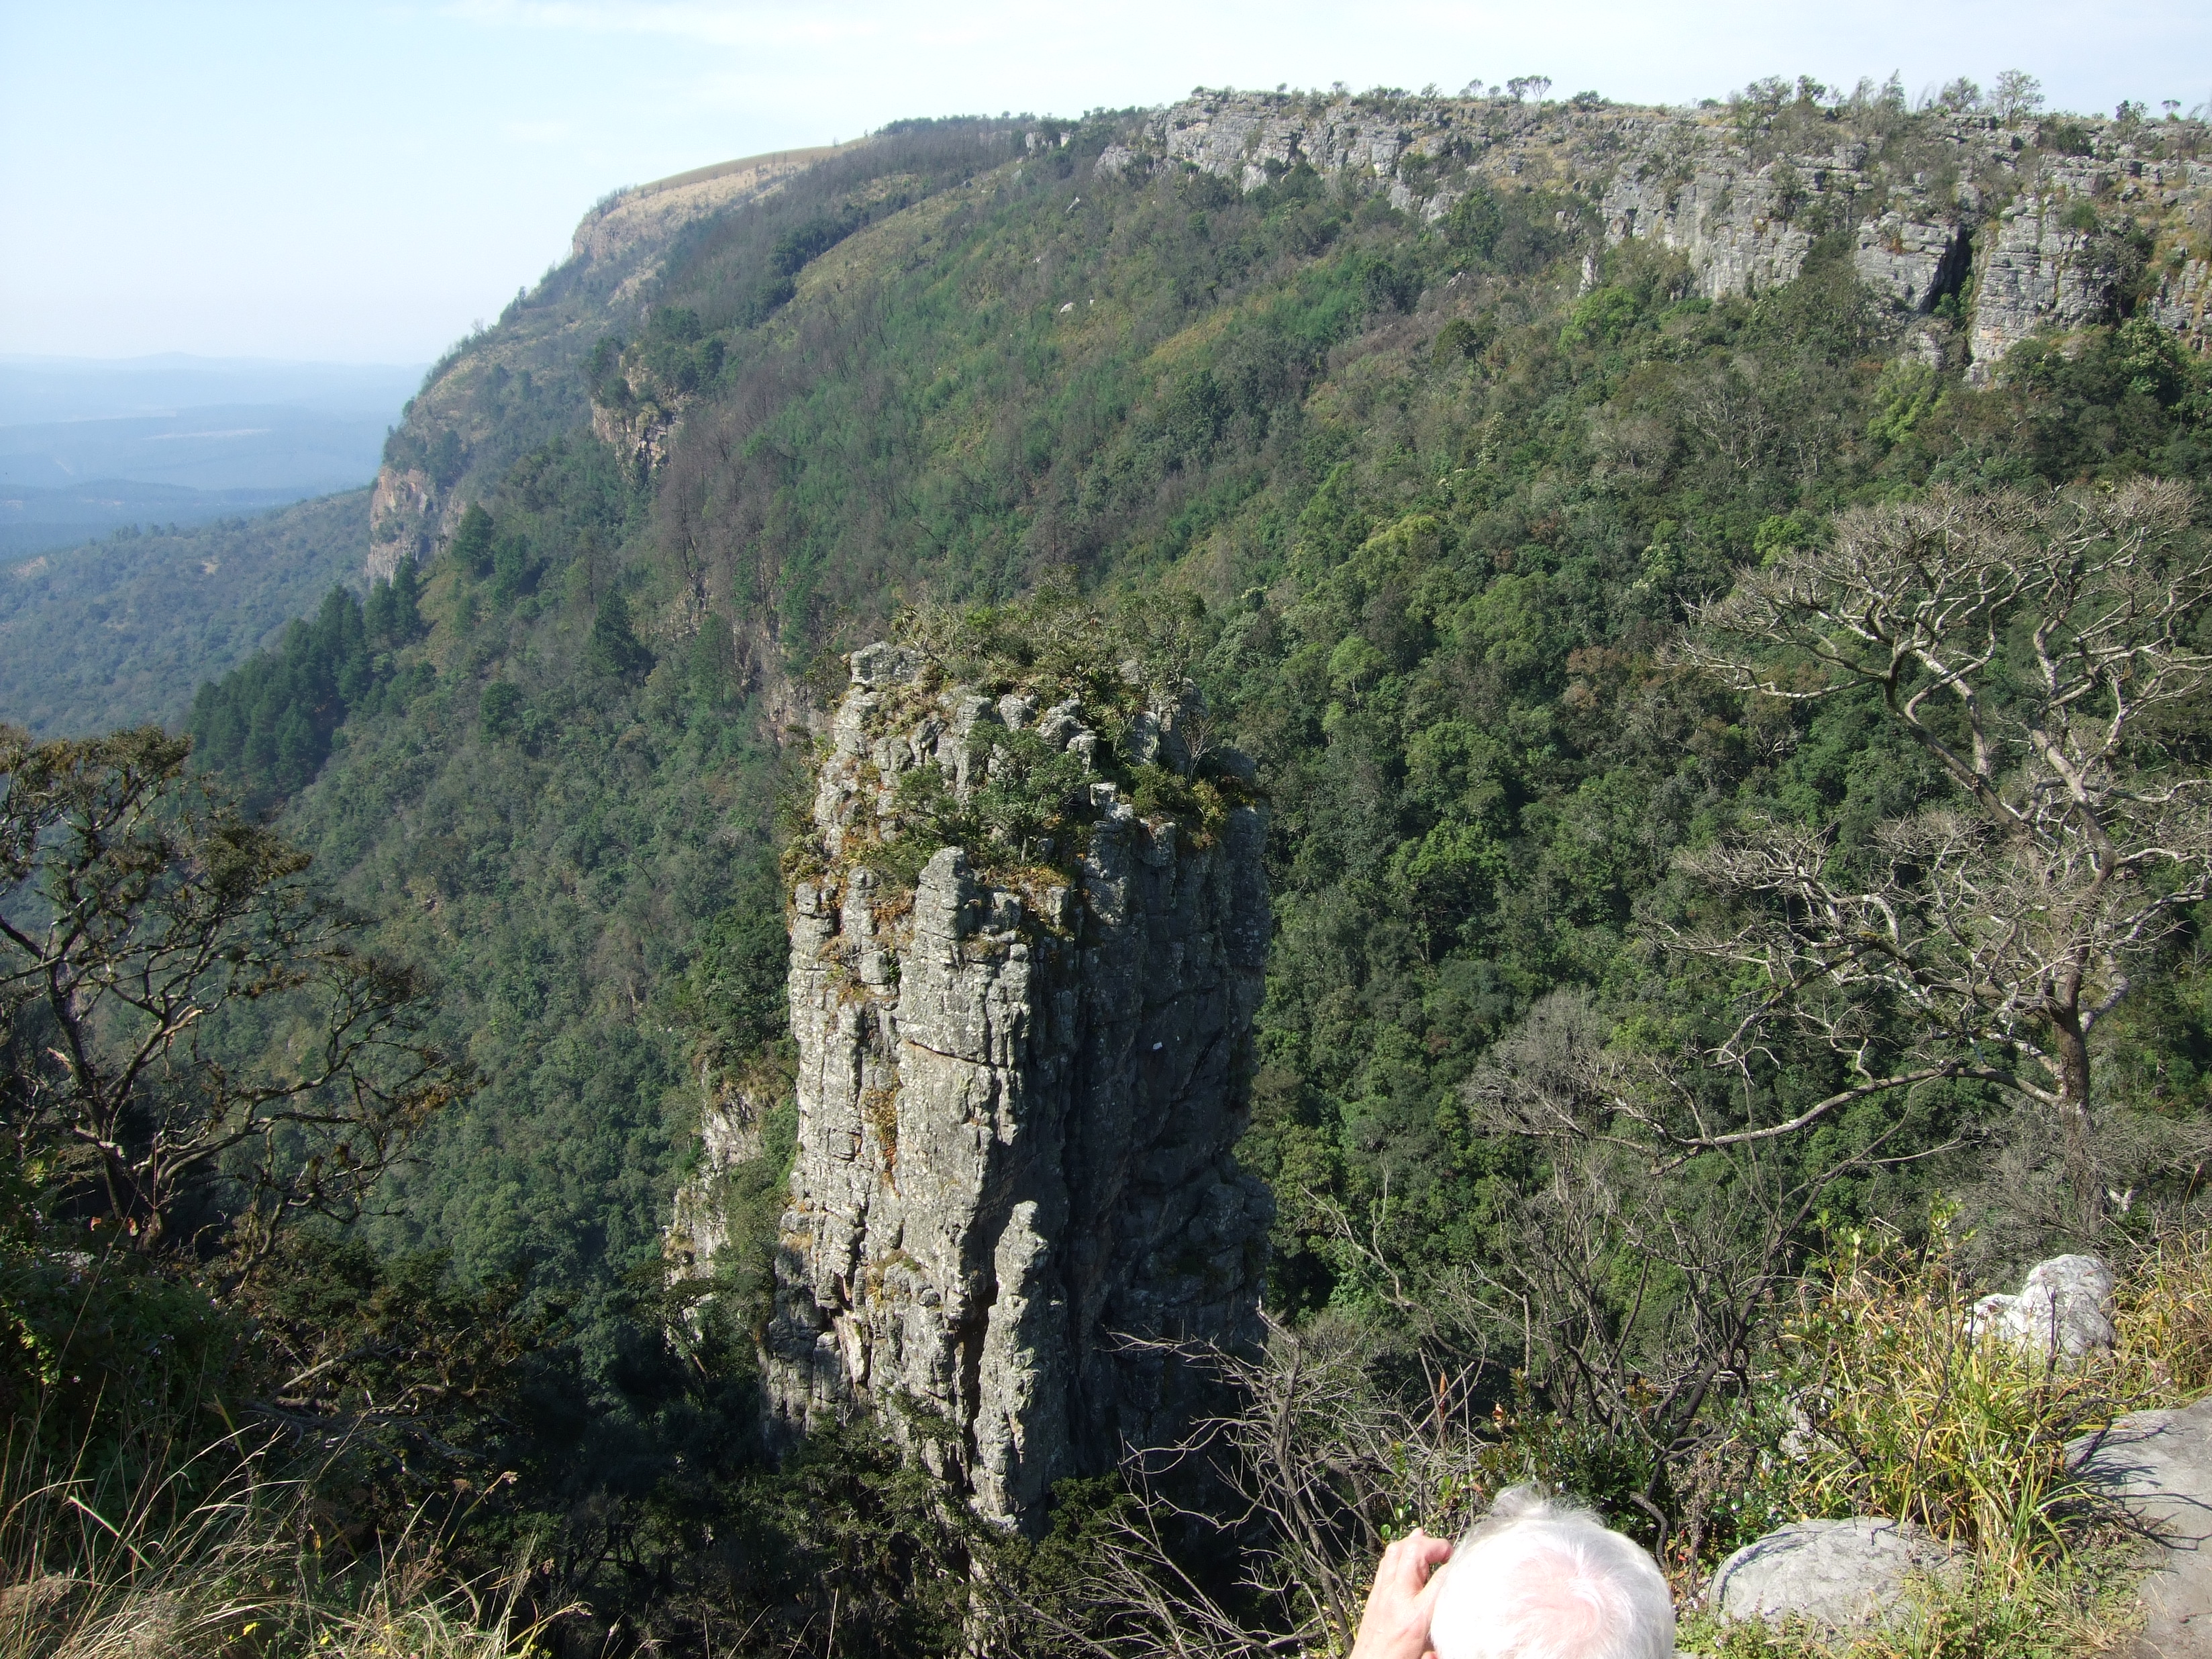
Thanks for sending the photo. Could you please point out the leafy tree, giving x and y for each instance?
(2016, 94)
(391, 615)
(139, 920)
(499, 711)
(269, 723)
(615, 649)
(471, 548)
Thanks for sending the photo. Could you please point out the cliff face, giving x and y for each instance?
(1016, 1096)
(2032, 224)
(2027, 237)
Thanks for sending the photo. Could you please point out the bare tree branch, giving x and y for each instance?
(144, 925)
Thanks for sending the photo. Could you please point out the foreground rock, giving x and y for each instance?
(1837, 1573)
(2159, 1465)
(1017, 1098)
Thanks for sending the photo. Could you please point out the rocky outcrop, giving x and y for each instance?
(2052, 260)
(1969, 206)
(698, 1230)
(2158, 1464)
(522, 381)
(2064, 1309)
(400, 514)
(1019, 1082)
(1837, 1573)
(1733, 219)
(2181, 301)
(641, 434)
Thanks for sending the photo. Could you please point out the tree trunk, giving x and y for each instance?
(2082, 1177)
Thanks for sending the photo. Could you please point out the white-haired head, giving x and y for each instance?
(1536, 1579)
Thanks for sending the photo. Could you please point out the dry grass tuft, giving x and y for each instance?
(153, 1571)
(1906, 1412)
(2163, 1309)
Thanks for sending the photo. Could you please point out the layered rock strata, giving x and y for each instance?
(1018, 1091)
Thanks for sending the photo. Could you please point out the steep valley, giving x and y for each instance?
(994, 738)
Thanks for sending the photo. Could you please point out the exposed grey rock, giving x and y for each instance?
(885, 664)
(2032, 275)
(1727, 214)
(729, 1134)
(2159, 1464)
(1237, 763)
(1016, 1107)
(2181, 301)
(1911, 262)
(2064, 1307)
(1838, 1573)
(1743, 218)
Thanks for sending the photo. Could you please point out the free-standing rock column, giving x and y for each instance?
(1016, 1099)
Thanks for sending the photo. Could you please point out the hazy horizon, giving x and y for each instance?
(13, 359)
(90, 443)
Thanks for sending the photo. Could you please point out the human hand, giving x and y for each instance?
(1396, 1625)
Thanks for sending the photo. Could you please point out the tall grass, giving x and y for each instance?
(2067, 1611)
(2163, 1310)
(1900, 1409)
(212, 1554)
(1904, 1411)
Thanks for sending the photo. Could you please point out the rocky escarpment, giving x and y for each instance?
(2022, 225)
(522, 382)
(1020, 1081)
(2011, 217)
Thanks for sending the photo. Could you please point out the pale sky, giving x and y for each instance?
(351, 180)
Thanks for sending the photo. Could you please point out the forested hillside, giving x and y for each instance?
(121, 630)
(1422, 471)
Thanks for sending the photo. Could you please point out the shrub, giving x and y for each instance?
(150, 1573)
(1909, 1413)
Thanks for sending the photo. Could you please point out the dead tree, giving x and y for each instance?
(2036, 647)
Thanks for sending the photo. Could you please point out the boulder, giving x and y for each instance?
(2159, 1464)
(2065, 1308)
(1838, 1573)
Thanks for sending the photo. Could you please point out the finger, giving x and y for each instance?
(1401, 1560)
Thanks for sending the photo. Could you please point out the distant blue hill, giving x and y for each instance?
(32, 520)
(88, 446)
(37, 389)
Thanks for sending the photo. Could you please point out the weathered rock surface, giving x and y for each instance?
(729, 1121)
(2159, 1465)
(2063, 1308)
(1972, 197)
(1838, 1573)
(1017, 1098)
